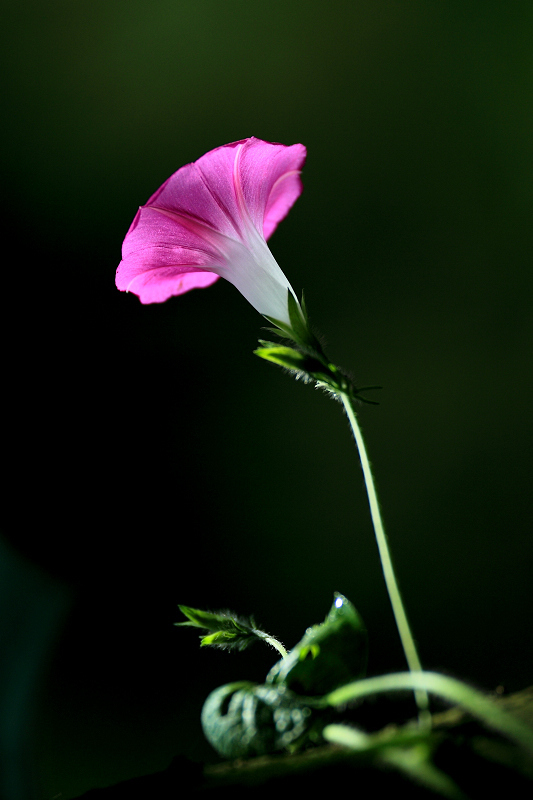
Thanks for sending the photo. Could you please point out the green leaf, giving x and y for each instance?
(417, 764)
(223, 639)
(330, 654)
(242, 720)
(408, 750)
(206, 619)
(226, 630)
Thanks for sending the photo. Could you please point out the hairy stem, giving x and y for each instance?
(271, 641)
(398, 609)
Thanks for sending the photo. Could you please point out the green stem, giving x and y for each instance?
(271, 641)
(450, 689)
(398, 610)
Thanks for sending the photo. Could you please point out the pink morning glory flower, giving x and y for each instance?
(211, 220)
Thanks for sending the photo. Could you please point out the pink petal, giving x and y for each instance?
(159, 285)
(205, 191)
(159, 251)
(154, 230)
(211, 219)
(270, 180)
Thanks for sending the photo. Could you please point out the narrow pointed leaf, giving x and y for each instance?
(226, 630)
(284, 356)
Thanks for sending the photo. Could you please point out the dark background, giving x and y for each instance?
(154, 460)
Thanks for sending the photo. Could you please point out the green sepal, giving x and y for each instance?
(304, 307)
(287, 332)
(310, 366)
(313, 350)
(330, 654)
(303, 365)
(307, 360)
(299, 358)
(299, 330)
(298, 322)
(287, 357)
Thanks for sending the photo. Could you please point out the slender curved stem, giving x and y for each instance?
(450, 689)
(271, 641)
(398, 609)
